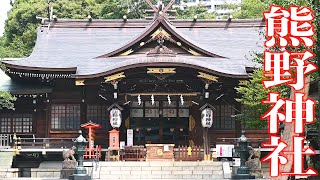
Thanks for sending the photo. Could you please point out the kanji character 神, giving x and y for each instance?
(277, 158)
(292, 26)
(285, 110)
(287, 68)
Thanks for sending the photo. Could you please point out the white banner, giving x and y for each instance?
(224, 150)
(129, 137)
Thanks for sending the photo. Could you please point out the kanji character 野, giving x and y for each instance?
(292, 26)
(287, 68)
(277, 158)
(285, 110)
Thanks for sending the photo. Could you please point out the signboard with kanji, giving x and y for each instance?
(288, 27)
(207, 117)
(115, 118)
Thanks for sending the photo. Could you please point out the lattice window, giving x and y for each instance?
(98, 114)
(16, 123)
(222, 117)
(65, 116)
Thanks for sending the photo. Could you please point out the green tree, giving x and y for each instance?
(6, 99)
(200, 11)
(250, 9)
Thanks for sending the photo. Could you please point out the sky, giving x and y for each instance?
(4, 8)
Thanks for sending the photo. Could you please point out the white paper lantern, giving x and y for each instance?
(115, 118)
(207, 117)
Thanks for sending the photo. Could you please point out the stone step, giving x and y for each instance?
(151, 164)
(6, 159)
(161, 170)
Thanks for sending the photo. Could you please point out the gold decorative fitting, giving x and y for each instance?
(192, 123)
(208, 77)
(161, 70)
(114, 77)
(127, 52)
(194, 52)
(160, 32)
(80, 83)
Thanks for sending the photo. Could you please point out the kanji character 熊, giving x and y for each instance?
(292, 26)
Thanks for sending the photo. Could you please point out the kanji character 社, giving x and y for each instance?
(277, 158)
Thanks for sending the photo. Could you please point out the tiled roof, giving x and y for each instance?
(70, 45)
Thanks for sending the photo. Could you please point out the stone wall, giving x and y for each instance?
(9, 173)
(160, 170)
(45, 173)
(136, 170)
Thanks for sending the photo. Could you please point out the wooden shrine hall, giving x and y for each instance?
(160, 72)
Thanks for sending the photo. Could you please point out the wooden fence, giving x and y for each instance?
(181, 153)
(133, 153)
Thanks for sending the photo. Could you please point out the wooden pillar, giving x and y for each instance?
(48, 115)
(206, 144)
(83, 106)
(238, 125)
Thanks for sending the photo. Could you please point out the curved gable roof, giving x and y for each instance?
(154, 26)
(73, 46)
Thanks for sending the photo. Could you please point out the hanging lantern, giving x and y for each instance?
(115, 117)
(207, 117)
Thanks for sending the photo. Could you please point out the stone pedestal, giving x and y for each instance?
(68, 167)
(84, 177)
(243, 176)
(160, 152)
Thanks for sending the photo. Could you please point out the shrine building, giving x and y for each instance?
(159, 72)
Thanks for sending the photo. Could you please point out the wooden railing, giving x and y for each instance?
(27, 143)
(195, 153)
(253, 142)
(133, 153)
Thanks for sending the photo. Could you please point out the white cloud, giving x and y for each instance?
(4, 8)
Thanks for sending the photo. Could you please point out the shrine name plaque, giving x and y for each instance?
(160, 152)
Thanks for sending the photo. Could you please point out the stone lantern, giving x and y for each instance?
(243, 171)
(80, 172)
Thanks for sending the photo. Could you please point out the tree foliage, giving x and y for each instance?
(6, 99)
(250, 9)
(21, 25)
(252, 91)
(200, 11)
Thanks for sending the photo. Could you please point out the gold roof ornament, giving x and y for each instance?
(160, 32)
(161, 70)
(114, 77)
(80, 83)
(207, 77)
(127, 52)
(194, 52)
